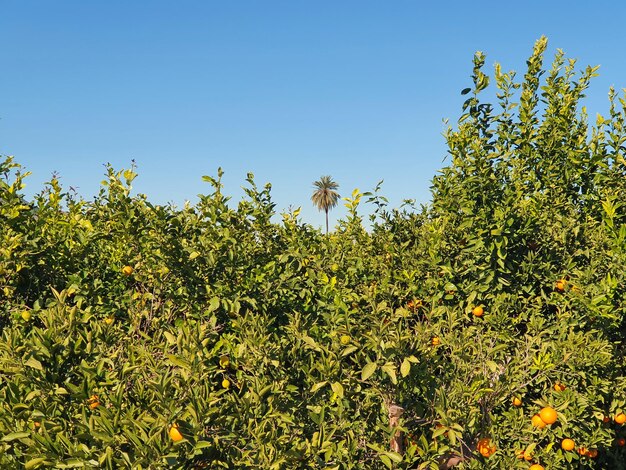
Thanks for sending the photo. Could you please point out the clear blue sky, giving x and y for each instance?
(289, 90)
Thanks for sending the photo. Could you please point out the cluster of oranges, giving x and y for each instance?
(546, 416)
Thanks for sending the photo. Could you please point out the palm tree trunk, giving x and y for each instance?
(326, 221)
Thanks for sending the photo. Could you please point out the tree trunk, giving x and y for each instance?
(326, 221)
(397, 440)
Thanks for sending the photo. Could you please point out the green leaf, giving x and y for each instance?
(15, 435)
(405, 368)
(397, 458)
(386, 460)
(390, 370)
(310, 342)
(171, 339)
(35, 463)
(368, 370)
(337, 388)
(318, 385)
(349, 350)
(179, 361)
(203, 444)
(214, 304)
(34, 363)
(71, 463)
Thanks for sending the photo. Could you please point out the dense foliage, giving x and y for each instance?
(148, 336)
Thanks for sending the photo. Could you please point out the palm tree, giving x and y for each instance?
(325, 197)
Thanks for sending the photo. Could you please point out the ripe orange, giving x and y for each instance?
(517, 401)
(548, 415)
(127, 270)
(621, 442)
(620, 418)
(435, 341)
(175, 434)
(592, 453)
(606, 420)
(485, 447)
(560, 285)
(536, 466)
(582, 451)
(559, 387)
(478, 311)
(538, 422)
(528, 456)
(567, 444)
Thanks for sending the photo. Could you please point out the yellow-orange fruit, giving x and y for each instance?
(175, 434)
(567, 444)
(485, 447)
(538, 422)
(548, 415)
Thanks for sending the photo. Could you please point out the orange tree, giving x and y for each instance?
(213, 336)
